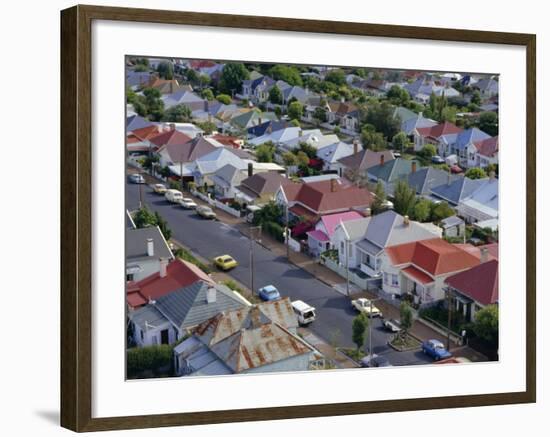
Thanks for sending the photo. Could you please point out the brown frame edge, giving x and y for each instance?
(76, 226)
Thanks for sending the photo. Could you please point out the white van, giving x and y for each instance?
(174, 196)
(304, 312)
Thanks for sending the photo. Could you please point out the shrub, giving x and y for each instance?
(150, 358)
(275, 230)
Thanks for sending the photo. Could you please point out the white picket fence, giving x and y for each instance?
(216, 203)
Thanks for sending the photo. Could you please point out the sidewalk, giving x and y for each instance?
(337, 358)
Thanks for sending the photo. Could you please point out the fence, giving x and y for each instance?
(216, 203)
(365, 283)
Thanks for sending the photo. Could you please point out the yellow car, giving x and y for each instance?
(159, 188)
(225, 262)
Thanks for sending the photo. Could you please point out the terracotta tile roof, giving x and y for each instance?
(329, 195)
(145, 133)
(439, 129)
(434, 256)
(479, 283)
(179, 273)
(487, 147)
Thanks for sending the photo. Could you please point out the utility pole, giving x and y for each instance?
(370, 326)
(347, 266)
(252, 241)
(287, 234)
(449, 316)
(140, 194)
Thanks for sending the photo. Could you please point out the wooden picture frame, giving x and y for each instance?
(76, 218)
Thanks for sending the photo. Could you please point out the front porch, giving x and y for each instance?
(418, 285)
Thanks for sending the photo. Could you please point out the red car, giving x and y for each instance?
(455, 169)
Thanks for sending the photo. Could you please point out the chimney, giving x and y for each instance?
(413, 166)
(406, 220)
(150, 247)
(163, 265)
(333, 184)
(355, 146)
(211, 295)
(381, 158)
(484, 255)
(250, 169)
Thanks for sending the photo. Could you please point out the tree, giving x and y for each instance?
(287, 73)
(232, 77)
(163, 226)
(398, 95)
(372, 140)
(380, 115)
(428, 151)
(485, 324)
(203, 80)
(476, 98)
(289, 159)
(302, 159)
(422, 210)
(377, 205)
(475, 173)
(144, 218)
(320, 114)
(336, 76)
(441, 211)
(178, 114)
(295, 123)
(265, 152)
(488, 123)
(404, 198)
(166, 70)
(308, 149)
(271, 212)
(151, 104)
(359, 328)
(275, 95)
(207, 126)
(295, 110)
(224, 98)
(207, 94)
(448, 113)
(406, 317)
(400, 141)
(192, 76)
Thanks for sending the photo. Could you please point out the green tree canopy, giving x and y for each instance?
(224, 98)
(428, 151)
(377, 205)
(475, 173)
(488, 123)
(400, 141)
(398, 95)
(295, 110)
(404, 198)
(380, 115)
(207, 94)
(287, 73)
(232, 77)
(359, 328)
(289, 159)
(336, 76)
(441, 211)
(406, 317)
(320, 114)
(178, 114)
(265, 152)
(275, 95)
(372, 140)
(166, 70)
(486, 324)
(422, 210)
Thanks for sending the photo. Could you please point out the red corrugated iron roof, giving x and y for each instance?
(170, 137)
(439, 130)
(479, 283)
(435, 256)
(179, 274)
(417, 275)
(488, 147)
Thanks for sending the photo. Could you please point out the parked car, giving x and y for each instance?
(391, 325)
(136, 178)
(436, 350)
(173, 196)
(455, 169)
(188, 203)
(159, 188)
(206, 212)
(269, 293)
(304, 312)
(375, 361)
(364, 305)
(438, 159)
(225, 262)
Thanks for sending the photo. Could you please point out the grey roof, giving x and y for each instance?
(147, 317)
(228, 176)
(393, 170)
(136, 244)
(187, 306)
(134, 122)
(216, 159)
(468, 136)
(408, 126)
(426, 178)
(451, 221)
(458, 189)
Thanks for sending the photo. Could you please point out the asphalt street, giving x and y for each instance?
(212, 238)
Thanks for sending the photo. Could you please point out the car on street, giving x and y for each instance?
(225, 262)
(269, 293)
(206, 212)
(391, 325)
(159, 188)
(173, 196)
(136, 178)
(375, 361)
(455, 169)
(438, 159)
(188, 203)
(365, 306)
(435, 349)
(304, 312)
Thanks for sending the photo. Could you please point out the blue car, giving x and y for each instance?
(435, 349)
(269, 293)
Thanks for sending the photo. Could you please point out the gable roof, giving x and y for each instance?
(327, 196)
(417, 122)
(457, 190)
(393, 170)
(487, 147)
(179, 273)
(333, 152)
(188, 306)
(228, 176)
(435, 256)
(439, 130)
(134, 122)
(136, 244)
(472, 135)
(216, 159)
(479, 283)
(331, 221)
(365, 159)
(192, 150)
(264, 183)
(426, 178)
(170, 137)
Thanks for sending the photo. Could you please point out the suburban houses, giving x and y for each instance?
(295, 218)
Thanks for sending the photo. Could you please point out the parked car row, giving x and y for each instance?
(176, 196)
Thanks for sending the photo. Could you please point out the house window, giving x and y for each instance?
(141, 335)
(386, 279)
(129, 277)
(394, 280)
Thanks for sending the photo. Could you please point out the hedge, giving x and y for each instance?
(275, 230)
(153, 359)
